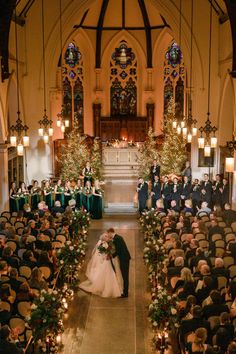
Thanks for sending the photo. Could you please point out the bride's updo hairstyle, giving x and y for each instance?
(104, 237)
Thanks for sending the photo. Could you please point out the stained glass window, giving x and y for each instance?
(123, 78)
(174, 78)
(73, 85)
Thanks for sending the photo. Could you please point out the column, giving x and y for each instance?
(4, 186)
(234, 134)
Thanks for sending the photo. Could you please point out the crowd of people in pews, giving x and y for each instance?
(28, 264)
(85, 193)
(182, 193)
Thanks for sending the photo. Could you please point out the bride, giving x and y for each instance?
(103, 273)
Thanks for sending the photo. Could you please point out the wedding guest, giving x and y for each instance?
(57, 208)
(206, 190)
(59, 192)
(9, 345)
(224, 190)
(78, 194)
(35, 195)
(186, 190)
(229, 215)
(219, 270)
(97, 201)
(37, 281)
(155, 171)
(187, 171)
(166, 193)
(156, 191)
(176, 191)
(87, 173)
(142, 190)
(216, 194)
(47, 193)
(204, 208)
(196, 195)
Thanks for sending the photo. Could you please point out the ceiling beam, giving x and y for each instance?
(99, 33)
(147, 31)
(231, 8)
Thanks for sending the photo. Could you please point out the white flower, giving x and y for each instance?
(61, 261)
(43, 291)
(68, 242)
(44, 320)
(71, 248)
(173, 311)
(155, 324)
(34, 307)
(169, 298)
(55, 292)
(41, 298)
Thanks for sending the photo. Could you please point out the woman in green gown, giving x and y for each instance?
(35, 195)
(78, 194)
(59, 193)
(68, 193)
(14, 199)
(97, 201)
(47, 194)
(87, 196)
(23, 194)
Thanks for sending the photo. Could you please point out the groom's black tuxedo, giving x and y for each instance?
(123, 254)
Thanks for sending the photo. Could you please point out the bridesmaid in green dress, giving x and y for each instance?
(78, 194)
(59, 193)
(47, 194)
(68, 193)
(87, 196)
(36, 195)
(87, 173)
(97, 201)
(14, 199)
(23, 194)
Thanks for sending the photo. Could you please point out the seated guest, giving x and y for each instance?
(198, 344)
(217, 306)
(24, 293)
(9, 342)
(37, 281)
(185, 285)
(160, 206)
(191, 325)
(6, 293)
(188, 206)
(200, 255)
(204, 209)
(186, 312)
(174, 208)
(3, 268)
(229, 215)
(44, 260)
(28, 214)
(224, 332)
(231, 247)
(204, 291)
(231, 348)
(7, 254)
(178, 266)
(191, 249)
(219, 270)
(3, 227)
(176, 251)
(33, 229)
(15, 284)
(214, 229)
(28, 259)
(11, 234)
(57, 208)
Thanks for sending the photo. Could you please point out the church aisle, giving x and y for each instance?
(112, 326)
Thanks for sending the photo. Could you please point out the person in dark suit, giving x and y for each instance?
(142, 190)
(186, 190)
(216, 194)
(224, 190)
(156, 191)
(206, 190)
(229, 215)
(155, 170)
(214, 229)
(122, 252)
(6, 346)
(196, 195)
(176, 191)
(219, 270)
(166, 193)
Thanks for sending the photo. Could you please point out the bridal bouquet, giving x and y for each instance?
(106, 248)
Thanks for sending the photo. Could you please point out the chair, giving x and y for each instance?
(200, 236)
(2, 236)
(228, 261)
(220, 243)
(229, 237)
(25, 271)
(4, 305)
(219, 252)
(22, 279)
(3, 218)
(232, 271)
(233, 225)
(7, 214)
(227, 230)
(8, 224)
(57, 244)
(4, 279)
(203, 244)
(12, 220)
(222, 224)
(204, 216)
(46, 272)
(24, 308)
(12, 245)
(216, 237)
(61, 238)
(222, 282)
(19, 224)
(20, 230)
(214, 321)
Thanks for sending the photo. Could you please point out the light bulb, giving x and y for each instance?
(189, 138)
(184, 130)
(178, 130)
(40, 130)
(50, 131)
(201, 142)
(207, 151)
(182, 124)
(58, 123)
(25, 140)
(63, 128)
(20, 150)
(67, 123)
(174, 124)
(45, 138)
(213, 141)
(194, 131)
(13, 140)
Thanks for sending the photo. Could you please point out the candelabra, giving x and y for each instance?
(209, 141)
(17, 138)
(45, 129)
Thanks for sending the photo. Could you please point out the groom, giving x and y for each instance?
(122, 252)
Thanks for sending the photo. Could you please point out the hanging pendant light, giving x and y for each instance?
(207, 150)
(189, 138)
(201, 142)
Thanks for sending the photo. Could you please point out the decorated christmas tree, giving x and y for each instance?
(96, 160)
(74, 155)
(173, 152)
(147, 153)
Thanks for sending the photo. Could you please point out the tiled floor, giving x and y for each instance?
(112, 326)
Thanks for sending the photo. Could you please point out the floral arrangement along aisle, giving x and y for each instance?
(162, 310)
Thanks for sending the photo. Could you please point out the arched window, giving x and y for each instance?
(123, 79)
(73, 94)
(174, 79)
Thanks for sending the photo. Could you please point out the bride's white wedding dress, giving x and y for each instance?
(104, 276)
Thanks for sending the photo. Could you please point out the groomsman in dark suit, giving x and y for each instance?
(155, 170)
(216, 194)
(166, 193)
(156, 191)
(142, 194)
(206, 190)
(176, 191)
(186, 190)
(196, 195)
(224, 190)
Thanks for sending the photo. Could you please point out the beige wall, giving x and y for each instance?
(96, 82)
